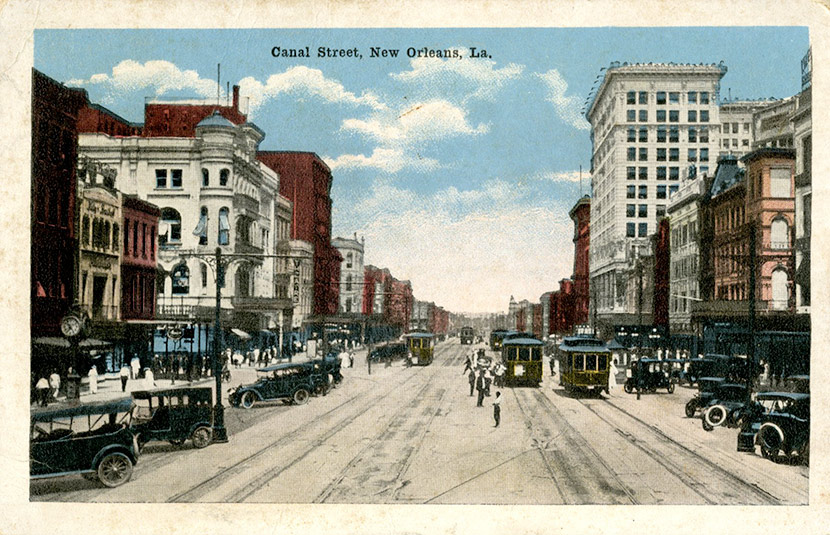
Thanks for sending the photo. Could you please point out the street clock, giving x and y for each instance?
(72, 325)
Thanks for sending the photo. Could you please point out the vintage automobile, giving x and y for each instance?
(780, 426)
(289, 381)
(726, 406)
(734, 369)
(91, 439)
(174, 415)
(330, 366)
(647, 375)
(705, 387)
(388, 352)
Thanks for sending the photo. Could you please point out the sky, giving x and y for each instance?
(458, 171)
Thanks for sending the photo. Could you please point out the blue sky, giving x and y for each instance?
(458, 172)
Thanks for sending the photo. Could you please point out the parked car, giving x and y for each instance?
(290, 381)
(92, 439)
(174, 415)
(734, 369)
(647, 375)
(780, 426)
(705, 389)
(726, 406)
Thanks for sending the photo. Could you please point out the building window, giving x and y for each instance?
(170, 228)
(631, 115)
(779, 234)
(643, 116)
(780, 292)
(631, 97)
(135, 239)
(642, 230)
(692, 116)
(632, 134)
(674, 155)
(643, 173)
(704, 116)
(642, 210)
(203, 274)
(672, 189)
(630, 210)
(630, 192)
(348, 283)
(744, 142)
(643, 134)
(704, 169)
(224, 227)
(143, 240)
(126, 235)
(692, 134)
(674, 97)
(734, 142)
(661, 155)
(630, 229)
(175, 178)
(661, 191)
(661, 210)
(631, 154)
(161, 178)
(643, 97)
(674, 116)
(661, 116)
(116, 234)
(661, 134)
(661, 97)
(642, 192)
(181, 280)
(779, 182)
(349, 260)
(704, 97)
(661, 173)
(201, 229)
(704, 155)
(152, 242)
(223, 177)
(703, 136)
(674, 173)
(85, 231)
(674, 134)
(692, 157)
(631, 173)
(643, 154)
(205, 178)
(692, 97)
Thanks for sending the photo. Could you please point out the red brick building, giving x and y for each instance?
(537, 320)
(561, 316)
(387, 297)
(180, 120)
(95, 118)
(55, 110)
(439, 321)
(581, 216)
(138, 258)
(306, 181)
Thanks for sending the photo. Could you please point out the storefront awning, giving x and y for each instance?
(56, 341)
(241, 334)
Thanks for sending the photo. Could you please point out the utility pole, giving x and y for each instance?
(752, 275)
(220, 433)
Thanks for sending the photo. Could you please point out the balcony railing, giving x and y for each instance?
(261, 303)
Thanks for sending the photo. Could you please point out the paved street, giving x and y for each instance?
(414, 435)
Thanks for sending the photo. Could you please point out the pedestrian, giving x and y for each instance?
(55, 384)
(468, 364)
(480, 382)
(93, 380)
(497, 408)
(351, 359)
(149, 379)
(125, 374)
(500, 369)
(612, 376)
(369, 359)
(42, 387)
(551, 362)
(472, 378)
(488, 378)
(135, 365)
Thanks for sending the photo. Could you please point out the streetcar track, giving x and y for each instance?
(691, 482)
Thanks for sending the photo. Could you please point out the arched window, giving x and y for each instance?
(170, 227)
(243, 230)
(202, 226)
(348, 284)
(243, 282)
(85, 231)
(224, 174)
(205, 178)
(224, 227)
(116, 234)
(780, 292)
(181, 280)
(779, 234)
(204, 275)
(106, 236)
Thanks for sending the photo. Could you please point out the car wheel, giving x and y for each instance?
(706, 425)
(115, 469)
(771, 442)
(628, 387)
(735, 418)
(248, 400)
(670, 388)
(202, 436)
(715, 415)
(691, 407)
(300, 396)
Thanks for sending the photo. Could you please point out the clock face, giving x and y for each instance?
(71, 326)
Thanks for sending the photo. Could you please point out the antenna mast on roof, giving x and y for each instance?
(218, 83)
(580, 181)
(227, 93)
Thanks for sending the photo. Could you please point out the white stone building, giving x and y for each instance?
(737, 126)
(803, 143)
(351, 274)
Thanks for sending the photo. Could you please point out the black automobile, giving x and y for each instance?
(290, 381)
(727, 405)
(330, 366)
(781, 426)
(647, 375)
(705, 390)
(734, 369)
(174, 415)
(93, 439)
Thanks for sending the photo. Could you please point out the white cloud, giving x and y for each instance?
(482, 74)
(302, 80)
(158, 75)
(567, 107)
(466, 250)
(390, 160)
(567, 176)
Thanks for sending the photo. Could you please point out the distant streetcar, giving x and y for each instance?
(496, 338)
(584, 364)
(523, 359)
(468, 335)
(420, 346)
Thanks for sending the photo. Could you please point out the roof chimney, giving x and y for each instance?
(236, 97)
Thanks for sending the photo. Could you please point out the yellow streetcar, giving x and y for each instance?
(421, 346)
(584, 364)
(523, 359)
